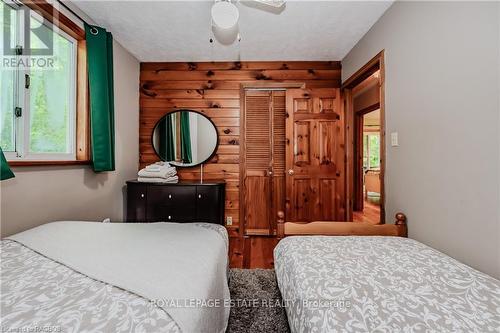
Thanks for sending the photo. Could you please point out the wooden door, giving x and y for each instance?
(278, 156)
(263, 164)
(315, 185)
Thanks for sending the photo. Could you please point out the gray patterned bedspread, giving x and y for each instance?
(381, 284)
(41, 295)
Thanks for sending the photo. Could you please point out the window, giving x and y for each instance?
(371, 151)
(38, 92)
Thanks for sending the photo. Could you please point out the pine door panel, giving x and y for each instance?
(315, 155)
(301, 198)
(257, 189)
(327, 142)
(326, 208)
(302, 143)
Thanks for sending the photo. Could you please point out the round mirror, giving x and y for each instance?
(185, 138)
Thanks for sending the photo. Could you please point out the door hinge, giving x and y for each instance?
(27, 81)
(19, 50)
(18, 111)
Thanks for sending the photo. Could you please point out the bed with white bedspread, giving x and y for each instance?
(381, 284)
(115, 277)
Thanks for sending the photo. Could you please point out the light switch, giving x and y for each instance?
(394, 139)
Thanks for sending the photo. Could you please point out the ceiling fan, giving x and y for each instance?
(225, 16)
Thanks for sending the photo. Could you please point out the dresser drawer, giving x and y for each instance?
(208, 200)
(171, 203)
(136, 203)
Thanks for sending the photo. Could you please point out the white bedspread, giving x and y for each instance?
(175, 265)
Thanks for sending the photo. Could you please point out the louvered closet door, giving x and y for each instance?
(278, 161)
(264, 160)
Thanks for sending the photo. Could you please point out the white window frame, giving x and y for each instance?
(22, 99)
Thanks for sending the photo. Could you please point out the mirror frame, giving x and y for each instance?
(193, 111)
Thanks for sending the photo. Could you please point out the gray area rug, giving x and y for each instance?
(256, 302)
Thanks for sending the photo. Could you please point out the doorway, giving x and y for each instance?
(367, 185)
(364, 104)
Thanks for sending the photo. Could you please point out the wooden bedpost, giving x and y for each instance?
(280, 225)
(401, 224)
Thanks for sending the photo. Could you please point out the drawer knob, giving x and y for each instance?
(169, 217)
(170, 196)
(142, 195)
(199, 196)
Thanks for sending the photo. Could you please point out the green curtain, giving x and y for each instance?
(5, 172)
(102, 122)
(167, 149)
(186, 154)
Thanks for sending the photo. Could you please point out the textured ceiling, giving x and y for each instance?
(180, 30)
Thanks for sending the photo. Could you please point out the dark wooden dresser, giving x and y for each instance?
(181, 202)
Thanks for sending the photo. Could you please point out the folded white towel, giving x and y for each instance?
(157, 166)
(164, 172)
(174, 179)
(153, 168)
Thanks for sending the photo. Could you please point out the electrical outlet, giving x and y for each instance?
(229, 220)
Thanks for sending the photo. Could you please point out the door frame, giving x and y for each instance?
(375, 64)
(358, 195)
(243, 87)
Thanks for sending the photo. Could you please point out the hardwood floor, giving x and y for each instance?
(252, 252)
(370, 213)
(257, 251)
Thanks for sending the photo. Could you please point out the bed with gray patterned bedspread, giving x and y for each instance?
(39, 294)
(381, 284)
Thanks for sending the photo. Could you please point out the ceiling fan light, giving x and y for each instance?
(225, 15)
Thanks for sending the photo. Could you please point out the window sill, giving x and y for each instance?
(46, 163)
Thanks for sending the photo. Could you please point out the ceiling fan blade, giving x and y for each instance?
(272, 3)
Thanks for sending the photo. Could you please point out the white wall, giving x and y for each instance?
(442, 96)
(207, 138)
(42, 194)
(193, 132)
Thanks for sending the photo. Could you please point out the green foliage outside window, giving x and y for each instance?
(374, 147)
(50, 95)
(371, 151)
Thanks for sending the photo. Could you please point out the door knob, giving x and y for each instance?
(270, 173)
(291, 172)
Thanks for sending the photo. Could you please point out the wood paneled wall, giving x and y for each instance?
(214, 89)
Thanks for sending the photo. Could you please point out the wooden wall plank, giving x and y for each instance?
(214, 90)
(188, 103)
(229, 65)
(191, 93)
(239, 75)
(148, 86)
